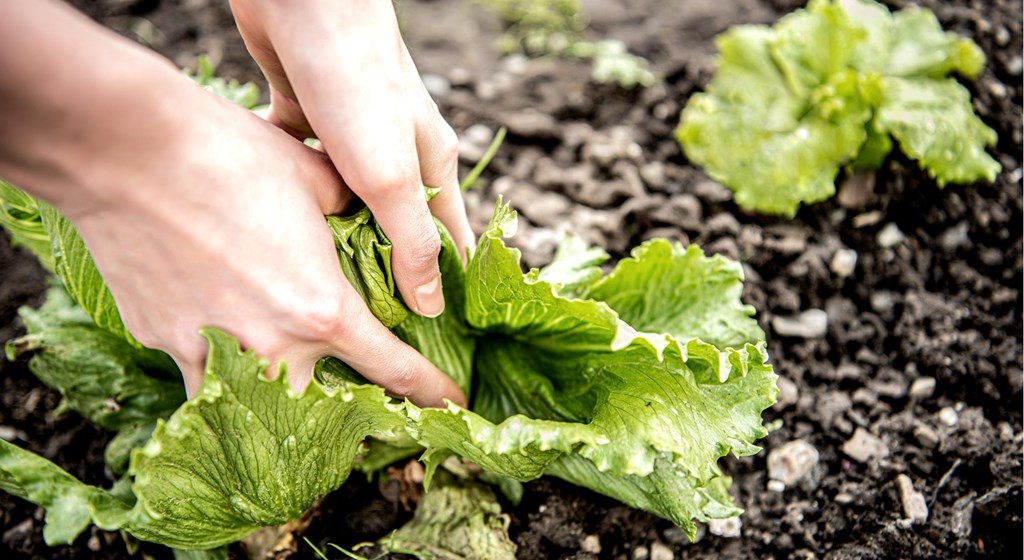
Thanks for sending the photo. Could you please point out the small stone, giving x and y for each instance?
(948, 416)
(864, 446)
(723, 223)
(459, 76)
(857, 191)
(795, 463)
(954, 237)
(844, 498)
(473, 142)
(843, 262)
(1015, 66)
(437, 86)
(10, 433)
(914, 506)
(867, 219)
(926, 436)
(659, 551)
(515, 63)
(1002, 36)
(531, 123)
(641, 553)
(653, 174)
(728, 528)
(788, 393)
(890, 236)
(776, 486)
(922, 388)
(675, 535)
(711, 191)
(882, 301)
(810, 324)
(591, 543)
(94, 544)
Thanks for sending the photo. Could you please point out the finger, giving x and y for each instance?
(382, 170)
(438, 151)
(191, 374)
(376, 353)
(286, 114)
(332, 194)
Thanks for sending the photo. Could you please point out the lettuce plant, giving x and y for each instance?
(632, 383)
(829, 86)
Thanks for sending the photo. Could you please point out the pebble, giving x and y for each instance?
(437, 86)
(515, 63)
(728, 528)
(954, 237)
(531, 123)
(94, 544)
(864, 446)
(723, 223)
(1015, 66)
(844, 498)
(712, 191)
(591, 543)
(867, 219)
(844, 262)
(659, 551)
(882, 301)
(890, 236)
(922, 388)
(914, 506)
(788, 393)
(948, 416)
(926, 436)
(653, 173)
(795, 463)
(810, 324)
(473, 142)
(776, 486)
(641, 553)
(10, 433)
(857, 191)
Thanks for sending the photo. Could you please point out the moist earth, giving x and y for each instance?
(913, 385)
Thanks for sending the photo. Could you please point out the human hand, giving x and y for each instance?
(213, 217)
(340, 72)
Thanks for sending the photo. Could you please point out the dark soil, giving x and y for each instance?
(938, 298)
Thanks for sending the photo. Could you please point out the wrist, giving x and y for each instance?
(100, 111)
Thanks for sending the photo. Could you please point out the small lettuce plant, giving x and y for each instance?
(829, 86)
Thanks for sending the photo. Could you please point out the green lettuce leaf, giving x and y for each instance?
(790, 105)
(100, 375)
(455, 520)
(569, 387)
(934, 124)
(632, 384)
(247, 452)
(19, 215)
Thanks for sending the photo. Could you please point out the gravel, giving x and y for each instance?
(864, 446)
(812, 323)
(914, 506)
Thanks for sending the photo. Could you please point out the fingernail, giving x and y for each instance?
(429, 299)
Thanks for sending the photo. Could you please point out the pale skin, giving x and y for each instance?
(199, 213)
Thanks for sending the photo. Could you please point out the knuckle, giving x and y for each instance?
(403, 379)
(394, 182)
(422, 255)
(316, 318)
